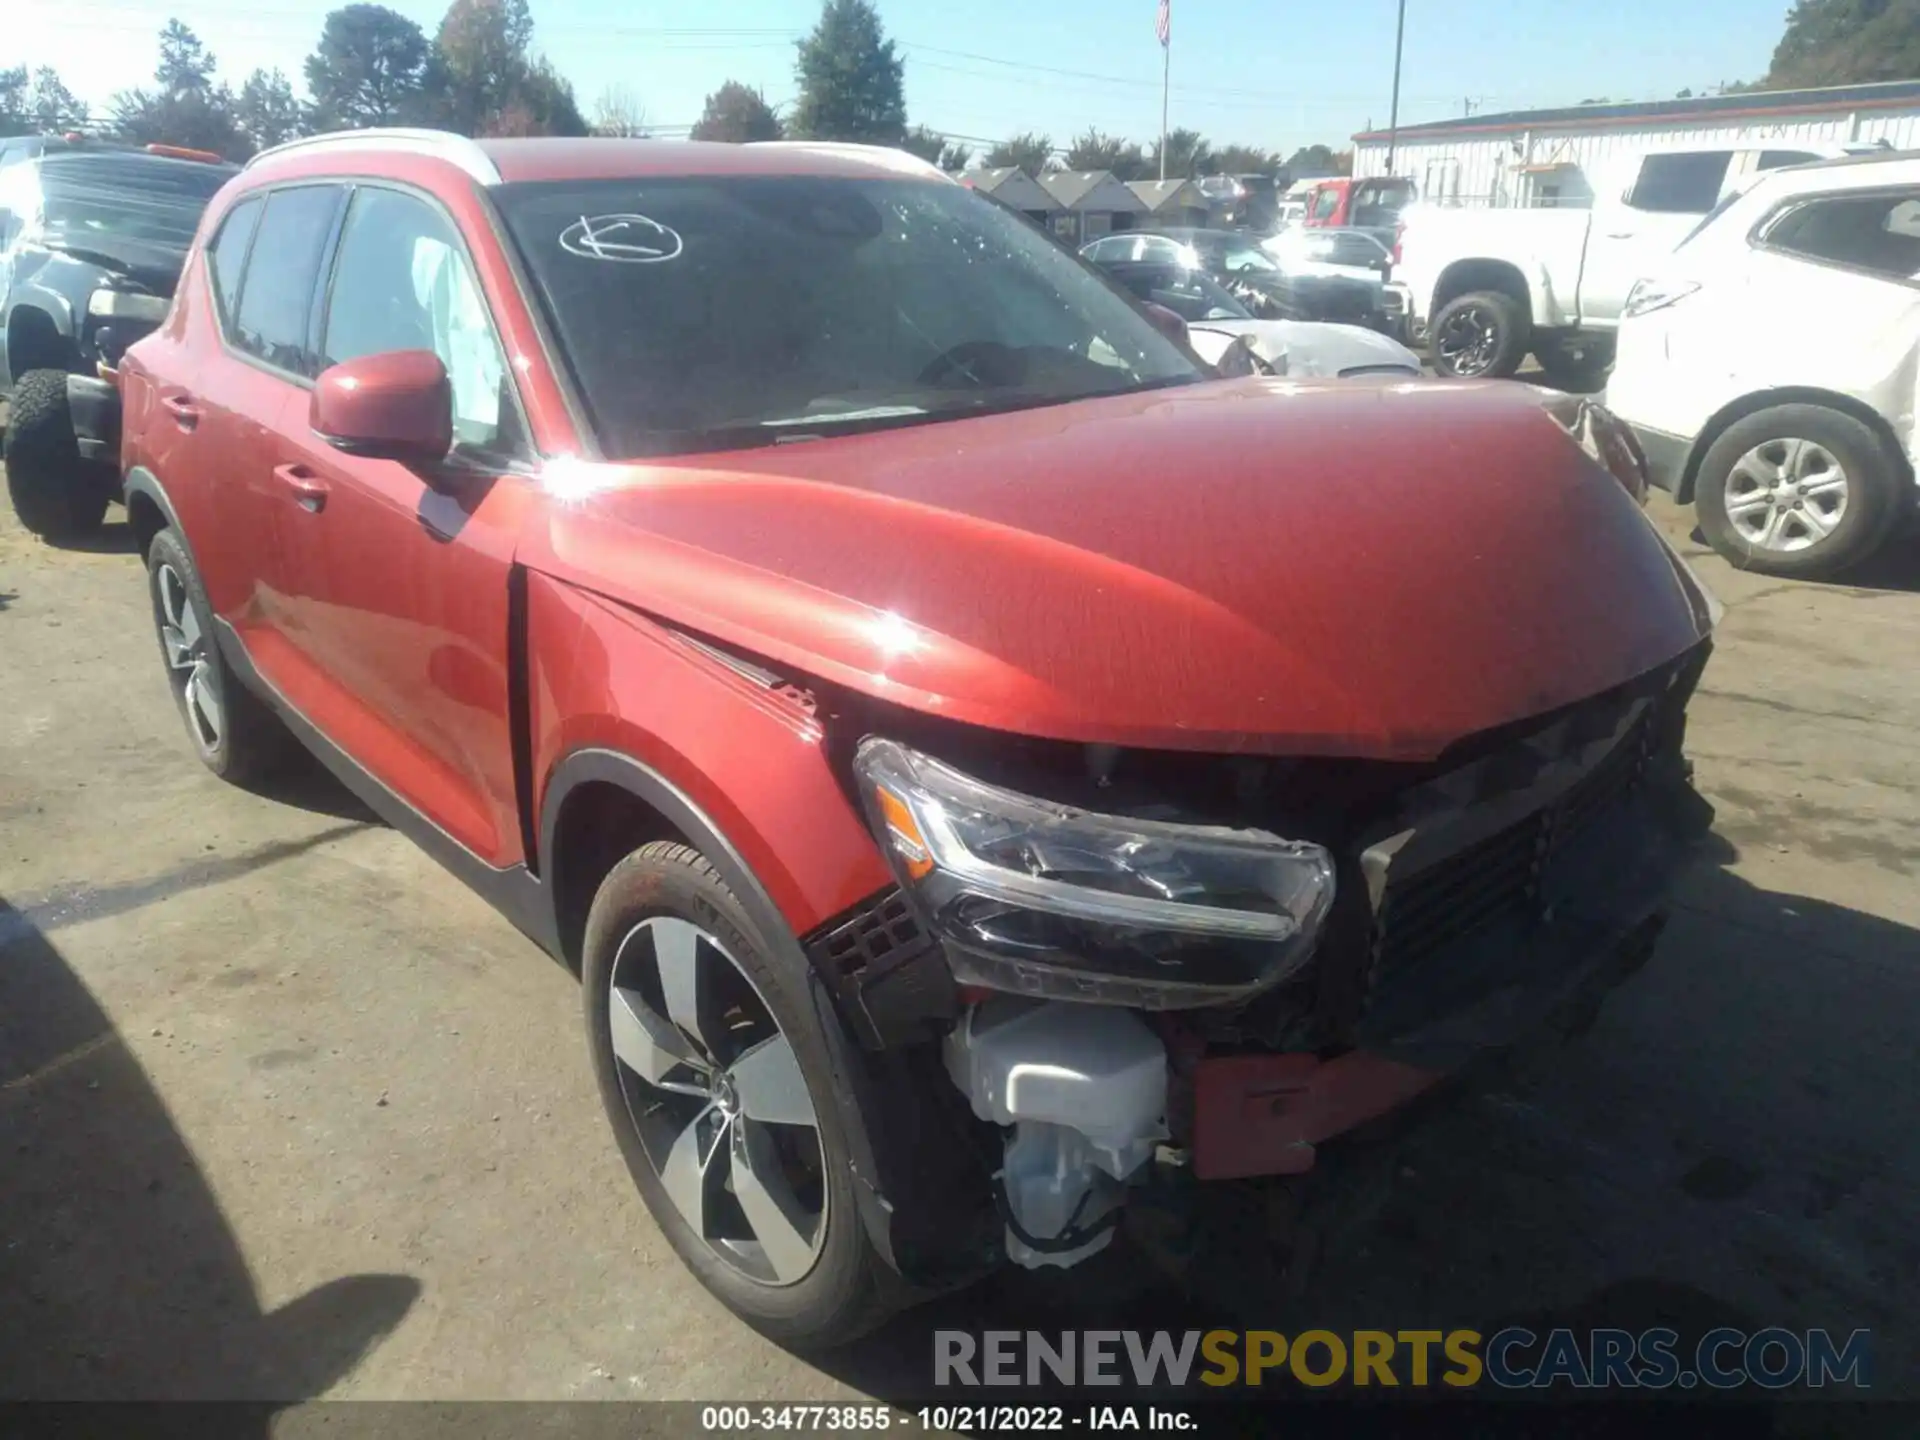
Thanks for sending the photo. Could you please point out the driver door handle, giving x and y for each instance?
(309, 490)
(185, 413)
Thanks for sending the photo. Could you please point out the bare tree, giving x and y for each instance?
(619, 112)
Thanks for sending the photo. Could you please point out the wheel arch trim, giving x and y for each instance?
(594, 765)
(1734, 411)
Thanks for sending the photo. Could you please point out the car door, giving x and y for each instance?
(1629, 233)
(404, 592)
(1828, 298)
(19, 208)
(223, 412)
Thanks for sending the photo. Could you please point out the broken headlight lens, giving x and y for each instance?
(1043, 899)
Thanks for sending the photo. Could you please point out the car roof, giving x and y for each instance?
(527, 160)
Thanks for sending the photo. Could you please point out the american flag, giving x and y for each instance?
(1163, 26)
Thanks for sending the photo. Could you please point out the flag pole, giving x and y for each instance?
(1393, 117)
(1166, 73)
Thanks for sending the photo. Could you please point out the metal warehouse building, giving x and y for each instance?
(1547, 157)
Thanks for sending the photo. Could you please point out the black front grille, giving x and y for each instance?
(1502, 875)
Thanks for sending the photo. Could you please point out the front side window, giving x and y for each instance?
(401, 282)
(1879, 233)
(1775, 159)
(276, 297)
(1682, 184)
(710, 313)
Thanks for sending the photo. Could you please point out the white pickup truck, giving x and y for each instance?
(1483, 287)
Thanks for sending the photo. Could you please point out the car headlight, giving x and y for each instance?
(1648, 295)
(126, 305)
(1044, 899)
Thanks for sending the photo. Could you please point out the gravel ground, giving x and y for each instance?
(286, 1112)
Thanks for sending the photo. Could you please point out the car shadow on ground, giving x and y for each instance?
(304, 783)
(120, 1277)
(1895, 566)
(116, 537)
(1731, 1145)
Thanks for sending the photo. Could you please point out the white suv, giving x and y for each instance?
(1770, 366)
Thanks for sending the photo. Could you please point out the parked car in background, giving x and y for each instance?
(801, 638)
(1302, 287)
(92, 238)
(1769, 366)
(1248, 202)
(1486, 287)
(1374, 205)
(1300, 348)
(1339, 275)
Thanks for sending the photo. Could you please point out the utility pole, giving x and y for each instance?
(1393, 118)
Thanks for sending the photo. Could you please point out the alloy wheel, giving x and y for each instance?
(715, 1092)
(1786, 495)
(189, 659)
(1467, 341)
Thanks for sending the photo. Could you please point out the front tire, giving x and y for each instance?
(55, 492)
(716, 1076)
(1481, 336)
(1799, 491)
(233, 731)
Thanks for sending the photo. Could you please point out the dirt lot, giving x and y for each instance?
(285, 1111)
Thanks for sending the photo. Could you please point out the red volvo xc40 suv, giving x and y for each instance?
(977, 758)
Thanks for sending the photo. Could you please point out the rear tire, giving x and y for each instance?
(1482, 335)
(814, 1282)
(1775, 480)
(56, 493)
(235, 734)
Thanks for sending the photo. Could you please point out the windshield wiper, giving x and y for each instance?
(791, 430)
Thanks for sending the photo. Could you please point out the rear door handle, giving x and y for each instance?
(185, 413)
(309, 490)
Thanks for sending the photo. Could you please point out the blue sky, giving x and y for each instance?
(1280, 73)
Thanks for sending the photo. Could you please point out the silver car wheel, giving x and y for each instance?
(1786, 495)
(189, 663)
(716, 1094)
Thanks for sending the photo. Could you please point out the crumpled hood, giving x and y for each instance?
(1264, 566)
(1314, 348)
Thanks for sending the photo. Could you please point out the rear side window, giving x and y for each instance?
(1684, 184)
(1877, 233)
(228, 256)
(276, 298)
(1775, 159)
(1325, 203)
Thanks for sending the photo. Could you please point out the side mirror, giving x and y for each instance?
(1166, 322)
(395, 406)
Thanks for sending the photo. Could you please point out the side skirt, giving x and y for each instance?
(514, 891)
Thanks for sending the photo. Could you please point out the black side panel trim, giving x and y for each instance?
(515, 892)
(520, 716)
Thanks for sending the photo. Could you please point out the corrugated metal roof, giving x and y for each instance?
(1700, 107)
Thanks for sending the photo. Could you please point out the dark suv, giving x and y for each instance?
(92, 238)
(977, 759)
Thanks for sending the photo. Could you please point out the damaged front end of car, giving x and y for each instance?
(1148, 968)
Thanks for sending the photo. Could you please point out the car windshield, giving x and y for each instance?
(716, 312)
(1190, 294)
(93, 200)
(1245, 255)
